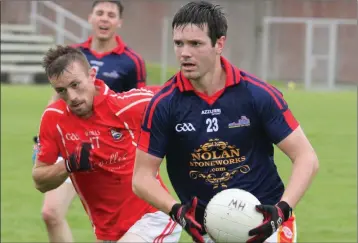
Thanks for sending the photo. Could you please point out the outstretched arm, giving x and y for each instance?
(146, 185)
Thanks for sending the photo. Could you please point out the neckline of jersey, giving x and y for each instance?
(119, 49)
(232, 77)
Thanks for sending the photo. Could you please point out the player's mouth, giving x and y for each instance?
(76, 105)
(188, 66)
(103, 29)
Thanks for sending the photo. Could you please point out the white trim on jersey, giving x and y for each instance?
(131, 133)
(131, 105)
(122, 97)
(62, 139)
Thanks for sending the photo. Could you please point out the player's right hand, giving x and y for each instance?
(185, 216)
(80, 159)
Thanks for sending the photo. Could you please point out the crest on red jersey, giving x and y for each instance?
(116, 135)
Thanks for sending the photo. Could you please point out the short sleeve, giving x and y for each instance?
(155, 126)
(274, 113)
(48, 147)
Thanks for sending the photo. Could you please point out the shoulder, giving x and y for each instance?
(166, 94)
(129, 100)
(132, 54)
(54, 112)
(260, 90)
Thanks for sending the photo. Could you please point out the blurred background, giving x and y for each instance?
(307, 48)
(292, 46)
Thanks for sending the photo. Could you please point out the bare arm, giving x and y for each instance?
(305, 165)
(145, 184)
(48, 177)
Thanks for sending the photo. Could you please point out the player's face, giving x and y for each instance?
(105, 20)
(76, 87)
(194, 50)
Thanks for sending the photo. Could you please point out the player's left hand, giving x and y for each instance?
(274, 216)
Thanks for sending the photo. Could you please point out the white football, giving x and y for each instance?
(230, 215)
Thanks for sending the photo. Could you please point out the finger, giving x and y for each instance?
(260, 208)
(194, 203)
(197, 236)
(256, 239)
(265, 227)
(87, 146)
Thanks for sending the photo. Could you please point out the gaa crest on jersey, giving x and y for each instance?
(116, 135)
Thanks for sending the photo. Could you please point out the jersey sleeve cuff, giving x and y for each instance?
(151, 151)
(47, 159)
(285, 134)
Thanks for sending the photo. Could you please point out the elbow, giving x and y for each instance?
(38, 184)
(136, 186)
(315, 164)
(41, 188)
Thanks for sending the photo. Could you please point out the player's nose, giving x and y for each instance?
(71, 95)
(185, 52)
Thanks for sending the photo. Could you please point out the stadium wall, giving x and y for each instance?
(142, 30)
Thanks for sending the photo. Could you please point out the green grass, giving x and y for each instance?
(327, 213)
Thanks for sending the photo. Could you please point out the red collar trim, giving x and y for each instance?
(103, 91)
(232, 77)
(119, 49)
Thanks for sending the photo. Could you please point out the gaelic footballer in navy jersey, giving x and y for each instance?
(217, 126)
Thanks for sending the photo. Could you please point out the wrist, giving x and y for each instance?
(66, 164)
(174, 211)
(285, 208)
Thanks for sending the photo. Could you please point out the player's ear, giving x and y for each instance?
(90, 18)
(93, 73)
(120, 22)
(220, 43)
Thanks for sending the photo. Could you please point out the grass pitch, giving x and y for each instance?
(327, 213)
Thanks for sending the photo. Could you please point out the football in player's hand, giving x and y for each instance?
(231, 214)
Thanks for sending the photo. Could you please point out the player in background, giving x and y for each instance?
(117, 64)
(121, 69)
(96, 131)
(217, 126)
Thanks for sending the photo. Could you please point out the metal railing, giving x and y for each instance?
(59, 25)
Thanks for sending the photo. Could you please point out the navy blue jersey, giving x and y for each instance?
(121, 69)
(218, 142)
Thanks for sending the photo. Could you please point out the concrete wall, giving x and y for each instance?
(142, 30)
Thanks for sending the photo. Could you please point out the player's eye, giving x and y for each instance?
(61, 91)
(99, 13)
(112, 15)
(195, 43)
(75, 84)
(178, 43)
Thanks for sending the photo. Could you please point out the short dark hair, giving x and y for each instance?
(57, 59)
(202, 13)
(116, 2)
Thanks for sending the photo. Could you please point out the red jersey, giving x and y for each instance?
(113, 129)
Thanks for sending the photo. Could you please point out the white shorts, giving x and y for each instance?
(68, 180)
(157, 227)
(287, 233)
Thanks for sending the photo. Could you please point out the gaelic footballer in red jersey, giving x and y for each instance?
(96, 131)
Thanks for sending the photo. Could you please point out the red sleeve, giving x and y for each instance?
(48, 147)
(154, 88)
